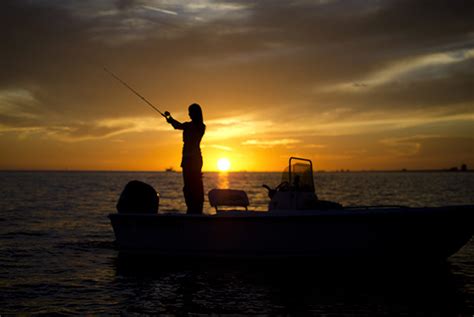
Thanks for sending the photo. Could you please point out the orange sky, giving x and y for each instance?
(359, 85)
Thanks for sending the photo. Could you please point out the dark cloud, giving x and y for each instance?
(86, 130)
(450, 90)
(452, 151)
(124, 4)
(14, 121)
(36, 42)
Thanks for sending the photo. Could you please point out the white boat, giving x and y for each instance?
(297, 224)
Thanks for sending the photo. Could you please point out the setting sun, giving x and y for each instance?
(223, 165)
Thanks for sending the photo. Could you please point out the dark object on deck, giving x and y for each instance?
(138, 197)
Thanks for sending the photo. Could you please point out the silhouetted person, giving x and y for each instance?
(191, 161)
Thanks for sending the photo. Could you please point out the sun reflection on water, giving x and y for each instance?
(223, 180)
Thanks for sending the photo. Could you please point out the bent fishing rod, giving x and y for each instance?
(134, 91)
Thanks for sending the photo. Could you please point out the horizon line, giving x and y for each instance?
(402, 170)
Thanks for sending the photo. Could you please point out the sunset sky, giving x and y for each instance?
(349, 84)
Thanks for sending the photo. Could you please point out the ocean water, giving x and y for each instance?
(57, 253)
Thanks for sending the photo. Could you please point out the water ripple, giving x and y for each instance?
(57, 253)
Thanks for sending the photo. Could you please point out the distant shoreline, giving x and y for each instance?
(178, 172)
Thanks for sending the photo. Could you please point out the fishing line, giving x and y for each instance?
(134, 91)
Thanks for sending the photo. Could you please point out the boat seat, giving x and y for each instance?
(228, 198)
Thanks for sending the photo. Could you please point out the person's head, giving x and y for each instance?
(195, 113)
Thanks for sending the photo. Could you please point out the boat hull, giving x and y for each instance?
(395, 233)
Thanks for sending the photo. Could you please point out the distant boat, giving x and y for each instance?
(298, 225)
(170, 170)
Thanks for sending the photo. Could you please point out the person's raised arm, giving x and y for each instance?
(176, 124)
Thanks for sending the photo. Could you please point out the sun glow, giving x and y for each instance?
(223, 164)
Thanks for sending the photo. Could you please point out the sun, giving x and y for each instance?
(223, 164)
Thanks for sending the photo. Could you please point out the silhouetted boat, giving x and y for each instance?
(297, 224)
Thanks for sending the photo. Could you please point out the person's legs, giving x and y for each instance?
(193, 187)
(197, 191)
(187, 188)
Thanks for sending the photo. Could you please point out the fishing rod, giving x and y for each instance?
(134, 91)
